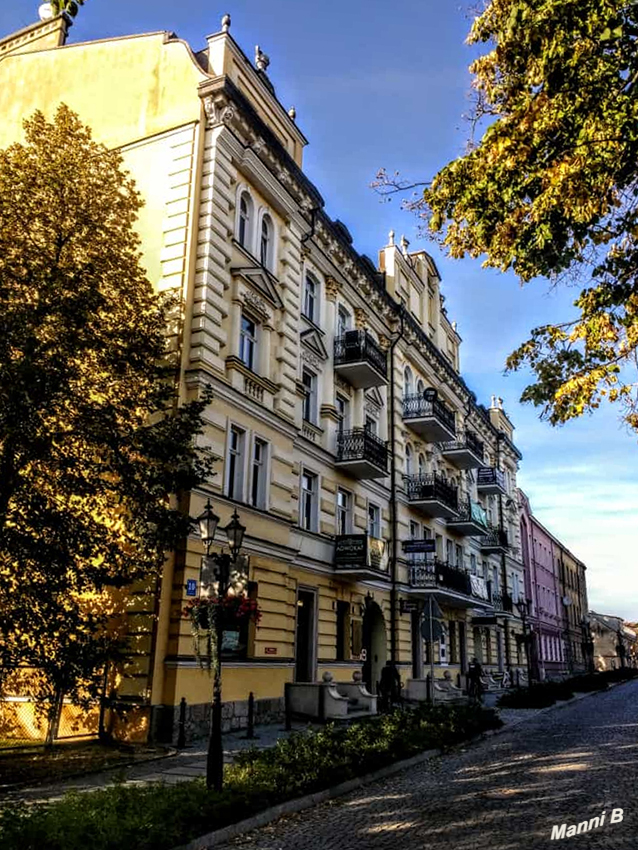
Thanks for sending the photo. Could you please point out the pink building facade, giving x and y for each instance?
(541, 560)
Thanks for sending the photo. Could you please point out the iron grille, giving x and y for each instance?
(429, 486)
(358, 346)
(488, 476)
(360, 444)
(418, 407)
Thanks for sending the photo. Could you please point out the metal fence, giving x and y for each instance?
(22, 724)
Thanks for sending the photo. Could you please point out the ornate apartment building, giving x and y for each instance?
(367, 475)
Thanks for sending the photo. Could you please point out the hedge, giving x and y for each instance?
(160, 817)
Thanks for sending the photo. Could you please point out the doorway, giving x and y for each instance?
(374, 645)
(305, 636)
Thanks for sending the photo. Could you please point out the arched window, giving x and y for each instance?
(420, 388)
(408, 459)
(422, 466)
(266, 242)
(311, 299)
(244, 223)
(408, 382)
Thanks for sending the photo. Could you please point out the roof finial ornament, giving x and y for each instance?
(261, 60)
(404, 245)
(45, 11)
(391, 237)
(493, 401)
(292, 112)
(226, 23)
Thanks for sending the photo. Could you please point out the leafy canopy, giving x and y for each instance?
(551, 187)
(71, 7)
(92, 444)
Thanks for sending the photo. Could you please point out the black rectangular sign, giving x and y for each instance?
(419, 545)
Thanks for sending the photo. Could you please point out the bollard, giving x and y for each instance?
(181, 726)
(428, 687)
(250, 731)
(287, 707)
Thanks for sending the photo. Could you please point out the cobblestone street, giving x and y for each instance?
(503, 793)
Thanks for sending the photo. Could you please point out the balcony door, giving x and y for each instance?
(305, 636)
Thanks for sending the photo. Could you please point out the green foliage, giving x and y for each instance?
(539, 695)
(92, 444)
(71, 7)
(160, 816)
(551, 188)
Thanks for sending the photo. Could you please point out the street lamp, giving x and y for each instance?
(524, 607)
(221, 563)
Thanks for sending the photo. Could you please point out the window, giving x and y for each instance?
(235, 463)
(248, 343)
(343, 321)
(459, 556)
(408, 384)
(343, 411)
(420, 388)
(258, 474)
(266, 242)
(449, 552)
(473, 564)
(245, 217)
(309, 501)
(344, 511)
(374, 520)
(515, 588)
(372, 425)
(408, 460)
(309, 381)
(422, 466)
(311, 299)
(414, 530)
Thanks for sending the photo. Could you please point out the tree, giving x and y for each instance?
(92, 442)
(71, 7)
(551, 188)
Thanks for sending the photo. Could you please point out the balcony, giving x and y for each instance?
(429, 417)
(491, 481)
(432, 494)
(360, 556)
(471, 520)
(466, 452)
(502, 602)
(360, 361)
(425, 575)
(494, 542)
(362, 454)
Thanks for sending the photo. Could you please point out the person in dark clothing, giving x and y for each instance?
(389, 686)
(474, 683)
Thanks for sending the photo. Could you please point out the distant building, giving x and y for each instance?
(615, 642)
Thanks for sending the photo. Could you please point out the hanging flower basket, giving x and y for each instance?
(203, 612)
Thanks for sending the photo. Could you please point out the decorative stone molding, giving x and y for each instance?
(333, 287)
(311, 359)
(360, 318)
(218, 111)
(384, 342)
(343, 385)
(257, 305)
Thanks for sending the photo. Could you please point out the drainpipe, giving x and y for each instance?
(393, 495)
(508, 658)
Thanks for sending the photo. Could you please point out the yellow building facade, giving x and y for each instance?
(367, 475)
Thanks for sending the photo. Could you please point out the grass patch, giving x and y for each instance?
(160, 817)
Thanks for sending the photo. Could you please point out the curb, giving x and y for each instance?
(219, 836)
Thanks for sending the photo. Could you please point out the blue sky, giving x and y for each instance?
(386, 84)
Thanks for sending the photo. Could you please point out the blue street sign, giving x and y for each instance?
(191, 587)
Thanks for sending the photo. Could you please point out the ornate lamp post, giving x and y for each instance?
(221, 568)
(524, 607)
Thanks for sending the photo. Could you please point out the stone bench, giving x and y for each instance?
(329, 700)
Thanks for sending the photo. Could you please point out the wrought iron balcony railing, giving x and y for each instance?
(489, 477)
(430, 486)
(494, 540)
(418, 407)
(359, 444)
(467, 440)
(437, 573)
(358, 346)
(502, 602)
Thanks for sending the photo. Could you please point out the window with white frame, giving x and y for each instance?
(248, 342)
(422, 464)
(420, 388)
(449, 552)
(408, 459)
(344, 321)
(235, 463)
(516, 588)
(311, 299)
(473, 564)
(344, 511)
(414, 530)
(309, 501)
(343, 412)
(244, 222)
(408, 382)
(458, 550)
(309, 381)
(266, 242)
(258, 473)
(374, 520)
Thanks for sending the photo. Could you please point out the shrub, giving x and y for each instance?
(587, 683)
(159, 817)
